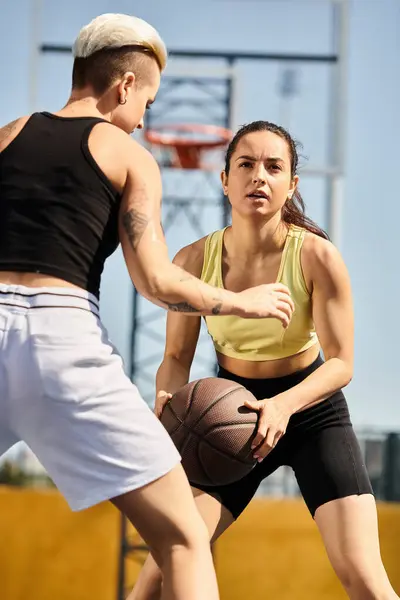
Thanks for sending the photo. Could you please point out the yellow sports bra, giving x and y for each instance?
(262, 339)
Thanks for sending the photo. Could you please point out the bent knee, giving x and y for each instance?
(361, 582)
(191, 538)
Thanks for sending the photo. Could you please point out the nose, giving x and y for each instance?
(259, 175)
(140, 125)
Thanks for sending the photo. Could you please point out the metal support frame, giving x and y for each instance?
(147, 322)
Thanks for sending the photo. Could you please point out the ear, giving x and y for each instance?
(293, 186)
(224, 181)
(127, 84)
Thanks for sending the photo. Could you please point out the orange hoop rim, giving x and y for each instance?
(157, 135)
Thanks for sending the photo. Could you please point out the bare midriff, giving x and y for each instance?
(269, 368)
(34, 280)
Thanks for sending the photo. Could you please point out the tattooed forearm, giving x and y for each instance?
(135, 224)
(216, 309)
(180, 307)
(185, 307)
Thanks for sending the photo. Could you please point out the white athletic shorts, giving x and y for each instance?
(64, 392)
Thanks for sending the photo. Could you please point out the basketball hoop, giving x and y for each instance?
(188, 143)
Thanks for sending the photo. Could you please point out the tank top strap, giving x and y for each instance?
(212, 261)
(294, 271)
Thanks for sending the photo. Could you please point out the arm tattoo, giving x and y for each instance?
(7, 130)
(135, 224)
(180, 307)
(185, 276)
(217, 308)
(188, 308)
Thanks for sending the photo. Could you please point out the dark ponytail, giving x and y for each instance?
(293, 211)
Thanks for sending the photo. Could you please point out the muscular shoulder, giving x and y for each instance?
(117, 141)
(120, 156)
(317, 250)
(321, 261)
(191, 257)
(11, 130)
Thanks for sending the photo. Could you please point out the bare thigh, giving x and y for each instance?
(349, 528)
(216, 517)
(163, 512)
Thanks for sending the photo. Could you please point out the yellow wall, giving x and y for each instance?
(273, 551)
(48, 553)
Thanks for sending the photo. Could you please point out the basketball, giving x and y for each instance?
(212, 430)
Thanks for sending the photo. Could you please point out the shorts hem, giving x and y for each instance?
(235, 514)
(341, 497)
(133, 484)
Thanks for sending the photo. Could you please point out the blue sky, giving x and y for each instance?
(371, 213)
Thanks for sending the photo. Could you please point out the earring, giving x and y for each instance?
(119, 101)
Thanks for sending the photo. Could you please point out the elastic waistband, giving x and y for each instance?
(47, 297)
(285, 381)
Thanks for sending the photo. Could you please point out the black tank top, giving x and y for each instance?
(58, 211)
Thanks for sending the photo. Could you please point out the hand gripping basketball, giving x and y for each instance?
(161, 400)
(273, 420)
(268, 300)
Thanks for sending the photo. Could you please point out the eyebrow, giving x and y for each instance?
(269, 159)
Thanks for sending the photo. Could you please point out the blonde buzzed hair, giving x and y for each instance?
(112, 44)
(113, 30)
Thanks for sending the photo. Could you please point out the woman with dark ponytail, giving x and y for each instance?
(304, 420)
(293, 210)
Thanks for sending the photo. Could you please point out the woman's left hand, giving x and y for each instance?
(273, 420)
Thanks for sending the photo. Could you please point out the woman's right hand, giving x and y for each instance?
(270, 300)
(161, 400)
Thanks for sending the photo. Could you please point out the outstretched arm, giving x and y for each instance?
(165, 283)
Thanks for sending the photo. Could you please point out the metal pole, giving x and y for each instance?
(338, 120)
(216, 54)
(132, 354)
(234, 103)
(229, 118)
(287, 89)
(35, 52)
